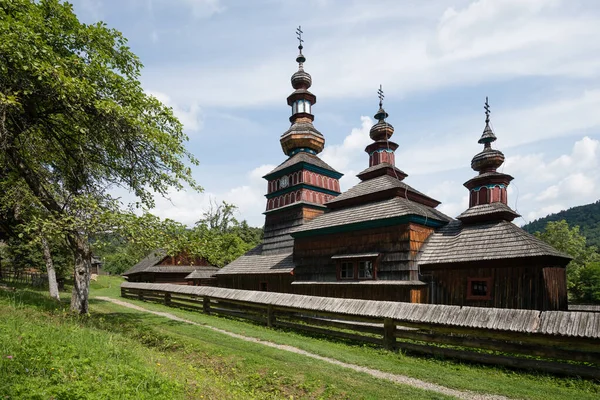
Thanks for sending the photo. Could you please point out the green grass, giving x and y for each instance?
(119, 353)
(141, 355)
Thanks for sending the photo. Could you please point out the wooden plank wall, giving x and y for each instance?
(412, 335)
(366, 292)
(398, 246)
(522, 287)
(275, 282)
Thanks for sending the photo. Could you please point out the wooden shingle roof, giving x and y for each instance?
(302, 157)
(202, 273)
(488, 211)
(457, 242)
(381, 210)
(379, 184)
(149, 261)
(259, 264)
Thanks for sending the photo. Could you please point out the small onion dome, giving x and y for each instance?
(488, 160)
(381, 131)
(301, 80)
(488, 136)
(381, 114)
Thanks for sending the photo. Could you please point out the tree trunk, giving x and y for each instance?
(81, 274)
(52, 284)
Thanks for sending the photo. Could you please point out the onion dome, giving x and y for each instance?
(381, 130)
(302, 135)
(489, 159)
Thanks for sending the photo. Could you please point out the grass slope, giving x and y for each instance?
(140, 355)
(118, 353)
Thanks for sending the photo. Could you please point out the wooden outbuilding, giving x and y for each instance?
(158, 267)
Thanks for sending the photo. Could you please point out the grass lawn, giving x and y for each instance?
(127, 353)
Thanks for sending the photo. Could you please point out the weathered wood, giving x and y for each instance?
(167, 298)
(389, 329)
(503, 346)
(206, 305)
(241, 315)
(564, 342)
(357, 326)
(328, 332)
(270, 316)
(513, 362)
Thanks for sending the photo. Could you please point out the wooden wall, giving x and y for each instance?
(398, 246)
(513, 285)
(184, 259)
(412, 294)
(160, 277)
(275, 282)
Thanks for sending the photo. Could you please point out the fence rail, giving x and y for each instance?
(573, 352)
(36, 279)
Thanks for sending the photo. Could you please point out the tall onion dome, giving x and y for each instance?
(381, 151)
(490, 186)
(302, 136)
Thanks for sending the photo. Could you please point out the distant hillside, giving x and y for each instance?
(587, 217)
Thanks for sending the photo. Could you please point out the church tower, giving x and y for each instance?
(488, 190)
(298, 188)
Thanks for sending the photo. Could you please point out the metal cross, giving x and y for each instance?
(487, 110)
(299, 34)
(381, 96)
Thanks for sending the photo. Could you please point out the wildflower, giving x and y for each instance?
(158, 364)
(9, 357)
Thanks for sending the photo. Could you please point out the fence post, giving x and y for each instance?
(206, 305)
(389, 340)
(167, 298)
(141, 295)
(270, 316)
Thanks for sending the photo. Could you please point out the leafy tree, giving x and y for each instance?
(75, 121)
(587, 217)
(570, 241)
(589, 283)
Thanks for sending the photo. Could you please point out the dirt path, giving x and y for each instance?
(402, 379)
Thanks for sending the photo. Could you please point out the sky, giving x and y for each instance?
(224, 66)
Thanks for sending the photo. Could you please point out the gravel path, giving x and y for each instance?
(402, 379)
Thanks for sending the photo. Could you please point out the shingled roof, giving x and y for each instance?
(301, 157)
(457, 242)
(252, 263)
(202, 273)
(378, 184)
(488, 211)
(155, 257)
(381, 210)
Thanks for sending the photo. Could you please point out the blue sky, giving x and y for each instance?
(225, 66)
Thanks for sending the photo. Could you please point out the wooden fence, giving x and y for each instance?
(32, 278)
(565, 343)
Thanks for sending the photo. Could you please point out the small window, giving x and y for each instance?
(479, 288)
(347, 270)
(264, 286)
(365, 270)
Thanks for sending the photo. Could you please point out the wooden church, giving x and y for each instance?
(384, 240)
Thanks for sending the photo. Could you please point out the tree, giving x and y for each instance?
(589, 283)
(75, 122)
(570, 241)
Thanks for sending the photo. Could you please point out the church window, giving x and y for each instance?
(263, 286)
(347, 270)
(479, 288)
(365, 270)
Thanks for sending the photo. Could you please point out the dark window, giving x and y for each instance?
(365, 270)
(347, 270)
(479, 288)
(264, 286)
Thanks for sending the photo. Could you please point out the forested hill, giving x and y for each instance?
(587, 217)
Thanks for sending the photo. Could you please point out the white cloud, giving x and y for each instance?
(190, 117)
(484, 41)
(349, 156)
(554, 185)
